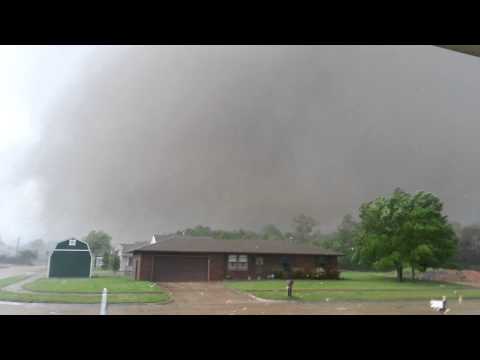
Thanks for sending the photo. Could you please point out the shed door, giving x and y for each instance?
(70, 264)
(179, 268)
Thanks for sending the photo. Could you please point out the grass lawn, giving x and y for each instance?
(355, 286)
(11, 280)
(82, 299)
(83, 291)
(93, 285)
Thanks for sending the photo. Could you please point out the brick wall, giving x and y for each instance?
(218, 268)
(273, 263)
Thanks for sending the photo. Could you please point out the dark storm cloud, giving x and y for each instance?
(152, 139)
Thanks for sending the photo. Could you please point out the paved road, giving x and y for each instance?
(14, 270)
(11, 308)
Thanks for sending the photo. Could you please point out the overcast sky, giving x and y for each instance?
(149, 139)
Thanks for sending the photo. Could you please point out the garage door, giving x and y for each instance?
(180, 268)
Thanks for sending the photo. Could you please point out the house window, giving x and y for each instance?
(237, 262)
(72, 242)
(259, 260)
(286, 263)
(320, 261)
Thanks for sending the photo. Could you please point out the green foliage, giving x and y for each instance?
(115, 262)
(106, 261)
(469, 246)
(116, 284)
(197, 231)
(98, 241)
(303, 226)
(342, 240)
(219, 234)
(271, 232)
(121, 290)
(404, 229)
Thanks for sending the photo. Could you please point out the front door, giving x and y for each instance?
(259, 265)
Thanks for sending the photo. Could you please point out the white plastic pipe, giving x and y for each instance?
(103, 305)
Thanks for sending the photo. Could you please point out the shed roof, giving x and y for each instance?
(191, 244)
(72, 244)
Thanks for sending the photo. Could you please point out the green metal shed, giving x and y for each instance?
(71, 258)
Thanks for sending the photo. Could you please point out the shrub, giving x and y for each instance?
(299, 274)
(279, 274)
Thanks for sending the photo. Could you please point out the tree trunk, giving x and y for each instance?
(413, 273)
(400, 273)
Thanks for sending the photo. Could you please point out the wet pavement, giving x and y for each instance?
(214, 299)
(14, 270)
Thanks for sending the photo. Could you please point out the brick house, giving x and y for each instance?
(183, 258)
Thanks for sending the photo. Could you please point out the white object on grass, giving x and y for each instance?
(436, 304)
(440, 305)
(103, 305)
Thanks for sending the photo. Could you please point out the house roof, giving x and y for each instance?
(176, 243)
(130, 247)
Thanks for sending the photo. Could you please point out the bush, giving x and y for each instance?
(279, 274)
(115, 260)
(106, 261)
(298, 274)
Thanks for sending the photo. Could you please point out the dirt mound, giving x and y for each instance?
(472, 276)
(469, 276)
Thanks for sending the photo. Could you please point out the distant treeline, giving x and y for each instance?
(343, 239)
(468, 249)
(30, 253)
(304, 231)
(24, 257)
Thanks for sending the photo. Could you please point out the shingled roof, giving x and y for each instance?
(130, 247)
(191, 244)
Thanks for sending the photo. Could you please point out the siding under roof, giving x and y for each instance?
(209, 245)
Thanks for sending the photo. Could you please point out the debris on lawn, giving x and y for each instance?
(467, 276)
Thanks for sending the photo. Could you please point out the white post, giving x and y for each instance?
(103, 305)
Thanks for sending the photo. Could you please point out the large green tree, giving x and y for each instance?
(404, 230)
(99, 242)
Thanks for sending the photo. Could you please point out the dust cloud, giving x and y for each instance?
(151, 139)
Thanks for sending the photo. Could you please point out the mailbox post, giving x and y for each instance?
(289, 288)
